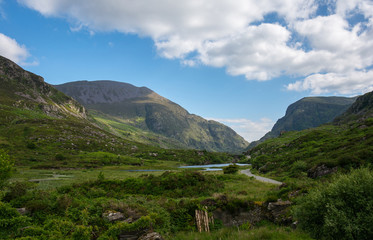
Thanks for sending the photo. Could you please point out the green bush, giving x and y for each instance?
(343, 209)
(11, 221)
(6, 167)
(231, 169)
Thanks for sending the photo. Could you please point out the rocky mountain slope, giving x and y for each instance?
(126, 109)
(309, 112)
(345, 143)
(25, 90)
(41, 127)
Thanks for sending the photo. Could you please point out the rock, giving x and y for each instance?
(294, 225)
(279, 212)
(22, 211)
(112, 216)
(239, 217)
(151, 236)
(128, 236)
(320, 171)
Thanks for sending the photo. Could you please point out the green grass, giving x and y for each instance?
(269, 232)
(235, 185)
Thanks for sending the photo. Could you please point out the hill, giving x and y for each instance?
(134, 112)
(309, 112)
(44, 128)
(346, 142)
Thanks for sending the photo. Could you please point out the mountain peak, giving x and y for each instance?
(13, 71)
(103, 91)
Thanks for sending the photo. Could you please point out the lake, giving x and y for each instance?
(213, 167)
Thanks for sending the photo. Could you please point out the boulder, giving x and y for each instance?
(151, 236)
(22, 211)
(112, 216)
(320, 171)
(279, 211)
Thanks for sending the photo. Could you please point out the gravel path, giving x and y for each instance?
(259, 178)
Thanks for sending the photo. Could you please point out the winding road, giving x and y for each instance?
(259, 178)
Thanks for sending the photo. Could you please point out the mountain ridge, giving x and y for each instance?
(144, 109)
(308, 112)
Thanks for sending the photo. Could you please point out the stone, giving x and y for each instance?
(151, 236)
(112, 216)
(279, 211)
(320, 171)
(22, 211)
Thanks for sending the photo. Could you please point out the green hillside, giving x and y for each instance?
(309, 112)
(345, 143)
(142, 115)
(43, 128)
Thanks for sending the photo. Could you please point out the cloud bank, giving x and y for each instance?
(326, 43)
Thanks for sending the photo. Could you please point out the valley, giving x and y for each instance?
(75, 165)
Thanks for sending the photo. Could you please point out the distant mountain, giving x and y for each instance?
(347, 142)
(309, 112)
(41, 127)
(126, 109)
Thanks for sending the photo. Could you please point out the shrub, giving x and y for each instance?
(10, 221)
(343, 209)
(17, 190)
(6, 167)
(60, 157)
(231, 169)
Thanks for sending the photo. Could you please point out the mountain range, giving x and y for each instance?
(140, 114)
(114, 108)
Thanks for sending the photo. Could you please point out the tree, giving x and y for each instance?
(342, 209)
(6, 167)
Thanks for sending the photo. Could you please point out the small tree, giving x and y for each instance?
(342, 209)
(6, 167)
(231, 169)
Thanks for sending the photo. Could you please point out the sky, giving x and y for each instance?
(239, 62)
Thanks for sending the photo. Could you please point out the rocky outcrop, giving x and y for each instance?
(23, 89)
(239, 217)
(320, 171)
(113, 216)
(151, 236)
(278, 212)
(140, 235)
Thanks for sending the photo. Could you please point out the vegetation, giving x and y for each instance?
(231, 169)
(343, 209)
(6, 167)
(76, 175)
(308, 113)
(165, 203)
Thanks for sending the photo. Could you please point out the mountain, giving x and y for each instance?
(25, 90)
(309, 112)
(130, 110)
(41, 127)
(362, 109)
(345, 143)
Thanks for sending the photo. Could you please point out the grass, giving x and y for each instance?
(235, 185)
(269, 232)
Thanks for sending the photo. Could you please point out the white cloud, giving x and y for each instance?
(249, 130)
(9, 48)
(355, 82)
(232, 34)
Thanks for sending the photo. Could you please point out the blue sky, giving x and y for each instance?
(239, 62)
